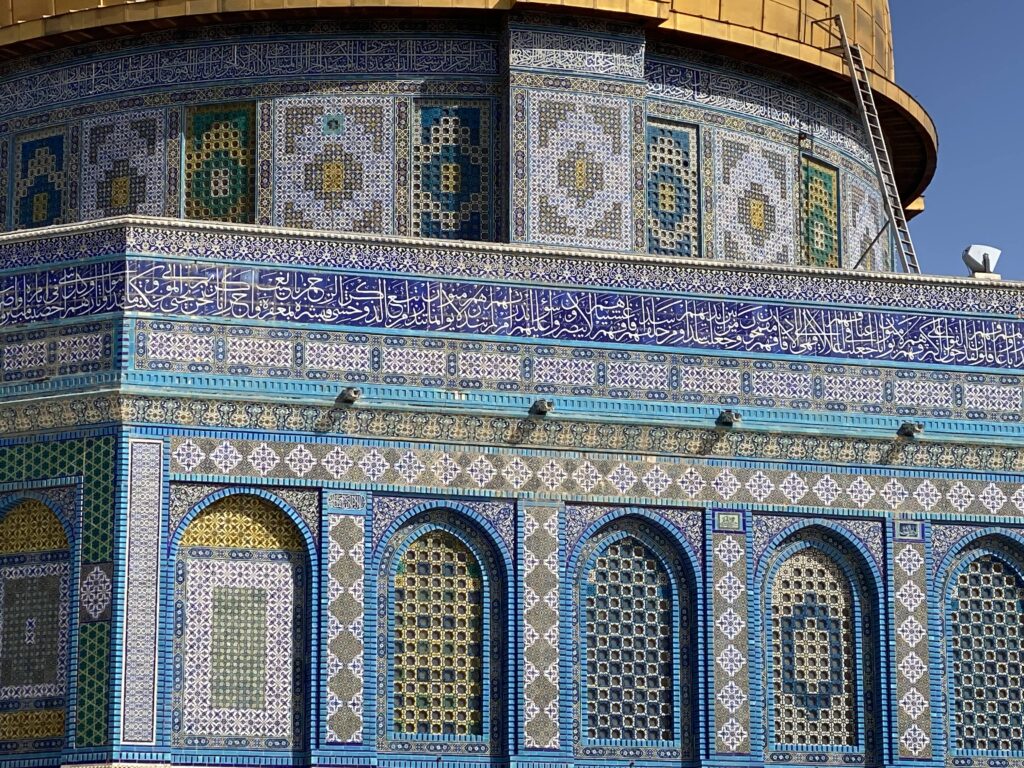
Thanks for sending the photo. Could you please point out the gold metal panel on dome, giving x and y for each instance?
(784, 20)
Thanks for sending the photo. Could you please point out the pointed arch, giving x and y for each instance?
(634, 625)
(821, 629)
(983, 617)
(241, 643)
(443, 599)
(35, 624)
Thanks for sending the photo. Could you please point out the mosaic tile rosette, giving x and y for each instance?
(756, 206)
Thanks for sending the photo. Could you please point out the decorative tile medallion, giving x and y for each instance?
(124, 165)
(334, 163)
(756, 211)
(580, 170)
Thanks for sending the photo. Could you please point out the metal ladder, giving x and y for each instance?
(879, 151)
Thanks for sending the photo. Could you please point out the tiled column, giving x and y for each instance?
(730, 636)
(345, 543)
(910, 618)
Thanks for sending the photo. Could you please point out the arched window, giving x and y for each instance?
(438, 660)
(628, 615)
(813, 644)
(443, 585)
(35, 596)
(240, 638)
(636, 634)
(822, 672)
(986, 658)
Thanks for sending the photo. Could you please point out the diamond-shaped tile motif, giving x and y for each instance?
(914, 703)
(793, 487)
(909, 559)
(726, 484)
(915, 740)
(374, 464)
(728, 551)
(731, 660)
(912, 667)
(517, 472)
(731, 696)
(910, 595)
(894, 493)
(226, 457)
(409, 466)
(481, 470)
(827, 490)
(730, 587)
(911, 631)
(730, 624)
(586, 476)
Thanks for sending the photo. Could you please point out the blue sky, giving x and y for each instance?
(964, 61)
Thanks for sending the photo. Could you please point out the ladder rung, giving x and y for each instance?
(880, 150)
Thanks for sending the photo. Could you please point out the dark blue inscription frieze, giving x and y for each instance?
(516, 311)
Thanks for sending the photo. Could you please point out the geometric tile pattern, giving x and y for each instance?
(30, 526)
(124, 165)
(438, 639)
(451, 169)
(673, 192)
(92, 459)
(541, 634)
(271, 352)
(910, 617)
(220, 162)
(821, 213)
(864, 216)
(731, 672)
(239, 638)
(242, 522)
(345, 619)
(35, 601)
(580, 177)
(612, 476)
(45, 178)
(627, 606)
(812, 643)
(142, 595)
(334, 164)
(755, 208)
(93, 683)
(987, 656)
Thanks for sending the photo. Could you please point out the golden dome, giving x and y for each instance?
(779, 34)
